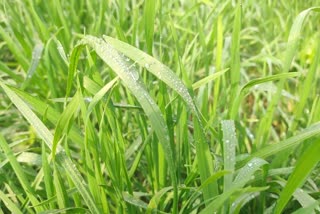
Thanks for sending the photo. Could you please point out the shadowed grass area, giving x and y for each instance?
(159, 106)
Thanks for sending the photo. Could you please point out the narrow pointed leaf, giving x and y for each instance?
(303, 168)
(46, 135)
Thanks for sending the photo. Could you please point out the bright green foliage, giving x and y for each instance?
(159, 106)
(306, 163)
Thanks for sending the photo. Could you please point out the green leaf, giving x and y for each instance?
(42, 131)
(130, 77)
(156, 199)
(309, 209)
(36, 56)
(292, 46)
(99, 95)
(229, 151)
(285, 144)
(209, 78)
(134, 201)
(235, 57)
(72, 68)
(154, 66)
(14, 48)
(250, 84)
(62, 197)
(245, 175)
(75, 210)
(50, 113)
(9, 203)
(46, 135)
(306, 86)
(149, 16)
(304, 166)
(30, 192)
(165, 74)
(64, 121)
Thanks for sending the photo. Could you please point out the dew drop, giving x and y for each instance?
(134, 75)
(88, 99)
(147, 66)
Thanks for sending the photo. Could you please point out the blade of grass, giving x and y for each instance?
(14, 48)
(30, 192)
(134, 201)
(303, 197)
(244, 89)
(204, 159)
(211, 179)
(77, 210)
(208, 79)
(304, 166)
(149, 17)
(61, 50)
(241, 179)
(292, 46)
(218, 64)
(289, 143)
(36, 56)
(165, 74)
(46, 135)
(92, 159)
(235, 57)
(309, 209)
(4, 68)
(244, 198)
(42, 30)
(229, 151)
(72, 69)
(47, 173)
(153, 204)
(305, 88)
(130, 79)
(47, 111)
(42, 131)
(62, 197)
(155, 67)
(64, 121)
(315, 111)
(118, 28)
(249, 85)
(63, 20)
(9, 203)
(99, 95)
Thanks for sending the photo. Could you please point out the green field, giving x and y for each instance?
(159, 106)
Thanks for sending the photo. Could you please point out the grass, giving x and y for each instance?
(159, 107)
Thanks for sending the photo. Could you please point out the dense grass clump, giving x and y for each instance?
(159, 106)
